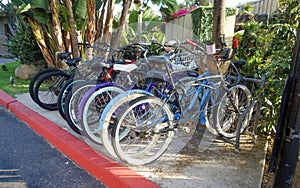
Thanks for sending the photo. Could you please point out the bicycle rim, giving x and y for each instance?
(93, 109)
(148, 126)
(232, 105)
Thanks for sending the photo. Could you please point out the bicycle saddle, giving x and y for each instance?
(73, 62)
(239, 63)
(63, 55)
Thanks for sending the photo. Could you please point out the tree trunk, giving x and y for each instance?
(40, 39)
(74, 40)
(108, 24)
(101, 20)
(140, 18)
(91, 27)
(66, 38)
(218, 21)
(125, 12)
(56, 27)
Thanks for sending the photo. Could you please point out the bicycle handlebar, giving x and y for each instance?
(191, 43)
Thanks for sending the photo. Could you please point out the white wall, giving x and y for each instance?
(181, 28)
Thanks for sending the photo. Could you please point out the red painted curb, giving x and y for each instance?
(5, 99)
(102, 167)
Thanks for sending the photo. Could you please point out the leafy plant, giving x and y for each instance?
(203, 21)
(268, 50)
(23, 45)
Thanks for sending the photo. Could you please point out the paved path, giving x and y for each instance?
(27, 160)
(218, 166)
(6, 60)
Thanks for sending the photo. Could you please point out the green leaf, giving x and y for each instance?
(24, 8)
(41, 16)
(66, 27)
(40, 4)
(81, 9)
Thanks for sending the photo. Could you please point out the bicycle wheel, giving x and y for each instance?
(146, 128)
(233, 103)
(93, 109)
(34, 80)
(72, 102)
(48, 88)
(66, 88)
(110, 112)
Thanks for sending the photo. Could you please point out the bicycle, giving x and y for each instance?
(109, 73)
(41, 73)
(173, 116)
(143, 75)
(50, 85)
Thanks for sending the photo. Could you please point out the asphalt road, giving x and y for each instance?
(27, 160)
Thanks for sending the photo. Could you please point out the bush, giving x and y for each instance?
(268, 50)
(23, 45)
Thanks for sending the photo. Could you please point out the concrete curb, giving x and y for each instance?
(108, 171)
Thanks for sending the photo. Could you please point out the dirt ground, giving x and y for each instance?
(297, 176)
(268, 178)
(217, 166)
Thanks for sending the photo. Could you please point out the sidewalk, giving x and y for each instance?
(218, 166)
(6, 60)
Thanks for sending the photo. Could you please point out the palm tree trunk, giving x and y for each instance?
(140, 21)
(56, 27)
(40, 39)
(218, 20)
(140, 18)
(125, 12)
(74, 40)
(108, 24)
(101, 20)
(91, 30)
(66, 37)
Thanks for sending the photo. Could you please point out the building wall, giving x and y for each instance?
(3, 36)
(263, 6)
(3, 24)
(181, 28)
(3, 45)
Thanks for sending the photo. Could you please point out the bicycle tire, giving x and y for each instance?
(34, 80)
(72, 102)
(246, 116)
(155, 134)
(93, 109)
(233, 103)
(108, 115)
(47, 89)
(66, 88)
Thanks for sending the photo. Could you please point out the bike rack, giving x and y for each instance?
(256, 104)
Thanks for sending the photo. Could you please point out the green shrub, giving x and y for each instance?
(268, 50)
(23, 45)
